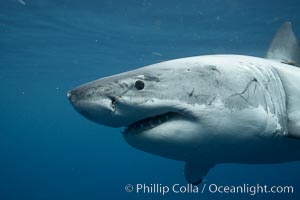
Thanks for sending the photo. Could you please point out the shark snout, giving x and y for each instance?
(70, 96)
(75, 96)
(96, 106)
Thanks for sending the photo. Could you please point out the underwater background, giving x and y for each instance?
(47, 47)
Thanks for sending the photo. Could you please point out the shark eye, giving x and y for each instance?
(139, 85)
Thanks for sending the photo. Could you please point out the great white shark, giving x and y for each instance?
(206, 110)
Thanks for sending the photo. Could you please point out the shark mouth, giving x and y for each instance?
(149, 123)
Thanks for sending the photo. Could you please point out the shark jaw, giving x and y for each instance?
(132, 125)
(150, 123)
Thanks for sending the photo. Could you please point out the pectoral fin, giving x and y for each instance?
(194, 172)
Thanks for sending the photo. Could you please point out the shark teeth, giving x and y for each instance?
(149, 123)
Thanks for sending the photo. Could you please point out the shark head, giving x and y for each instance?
(139, 100)
(154, 104)
(176, 107)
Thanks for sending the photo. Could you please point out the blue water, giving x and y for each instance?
(47, 47)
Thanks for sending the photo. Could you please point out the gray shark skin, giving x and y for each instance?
(206, 110)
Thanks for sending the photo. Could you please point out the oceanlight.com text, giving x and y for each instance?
(254, 189)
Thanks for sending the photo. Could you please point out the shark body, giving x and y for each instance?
(206, 110)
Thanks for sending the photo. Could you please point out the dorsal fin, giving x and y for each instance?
(284, 47)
